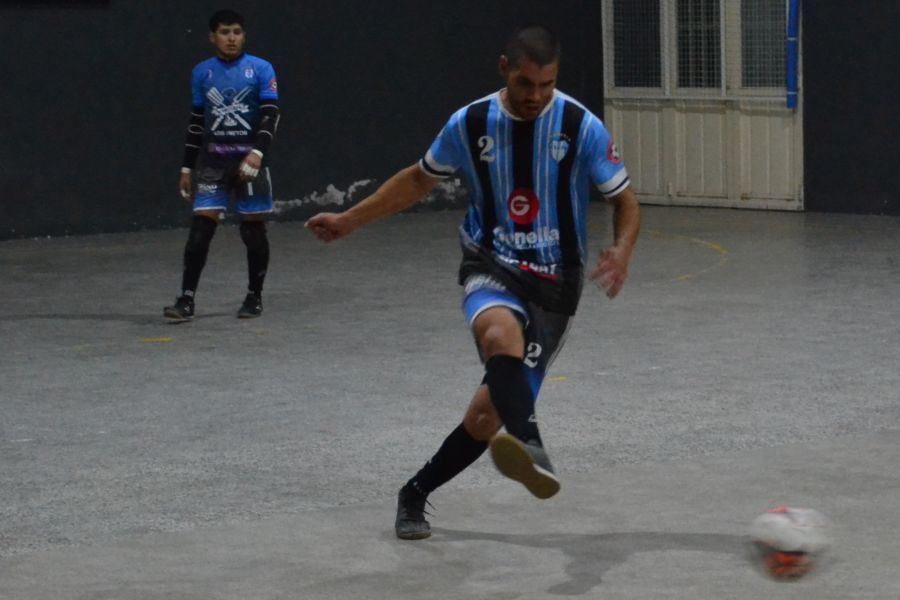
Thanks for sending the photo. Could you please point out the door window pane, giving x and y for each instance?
(763, 37)
(636, 43)
(699, 45)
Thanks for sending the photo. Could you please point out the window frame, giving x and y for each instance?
(730, 60)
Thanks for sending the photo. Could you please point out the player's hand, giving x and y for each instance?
(329, 226)
(611, 271)
(250, 166)
(184, 186)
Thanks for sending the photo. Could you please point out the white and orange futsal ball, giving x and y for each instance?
(789, 542)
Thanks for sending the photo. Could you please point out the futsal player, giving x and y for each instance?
(234, 115)
(529, 155)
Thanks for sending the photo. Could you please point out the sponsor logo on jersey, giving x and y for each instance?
(207, 188)
(228, 106)
(612, 153)
(548, 272)
(559, 146)
(523, 206)
(526, 240)
(218, 148)
(273, 85)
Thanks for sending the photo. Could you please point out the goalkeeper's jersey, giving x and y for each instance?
(230, 95)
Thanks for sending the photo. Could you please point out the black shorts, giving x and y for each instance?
(217, 183)
(544, 331)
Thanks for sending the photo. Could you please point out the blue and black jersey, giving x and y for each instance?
(529, 184)
(230, 95)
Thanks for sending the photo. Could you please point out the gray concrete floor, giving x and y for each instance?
(750, 361)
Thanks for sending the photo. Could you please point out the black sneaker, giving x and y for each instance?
(411, 523)
(182, 310)
(252, 307)
(526, 463)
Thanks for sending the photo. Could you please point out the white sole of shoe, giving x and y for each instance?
(512, 459)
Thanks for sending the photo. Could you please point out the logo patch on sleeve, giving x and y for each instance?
(612, 153)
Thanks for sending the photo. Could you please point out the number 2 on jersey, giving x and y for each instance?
(486, 143)
(532, 354)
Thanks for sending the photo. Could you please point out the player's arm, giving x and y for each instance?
(401, 191)
(265, 133)
(268, 125)
(268, 122)
(612, 266)
(611, 178)
(626, 220)
(193, 139)
(194, 136)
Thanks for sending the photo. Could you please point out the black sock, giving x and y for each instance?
(195, 251)
(511, 396)
(254, 235)
(457, 452)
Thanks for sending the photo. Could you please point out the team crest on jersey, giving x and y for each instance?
(248, 72)
(523, 206)
(612, 153)
(559, 147)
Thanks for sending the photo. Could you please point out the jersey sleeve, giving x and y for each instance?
(448, 151)
(197, 99)
(268, 84)
(605, 164)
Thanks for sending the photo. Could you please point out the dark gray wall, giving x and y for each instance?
(851, 76)
(96, 98)
(97, 94)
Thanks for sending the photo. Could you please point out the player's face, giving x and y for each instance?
(529, 88)
(228, 40)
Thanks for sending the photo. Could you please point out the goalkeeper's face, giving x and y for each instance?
(228, 40)
(529, 87)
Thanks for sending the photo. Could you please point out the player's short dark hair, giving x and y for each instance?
(225, 17)
(535, 43)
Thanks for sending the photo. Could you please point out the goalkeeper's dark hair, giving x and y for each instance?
(225, 17)
(535, 43)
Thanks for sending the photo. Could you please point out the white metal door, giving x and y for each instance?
(696, 100)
